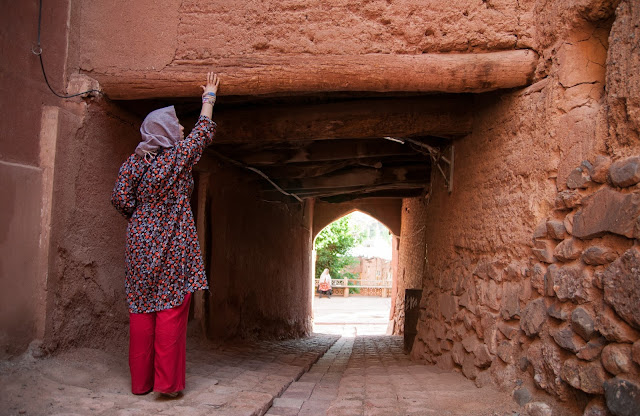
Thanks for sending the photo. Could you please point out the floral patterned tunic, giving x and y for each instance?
(162, 253)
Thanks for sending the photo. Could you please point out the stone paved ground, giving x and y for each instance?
(358, 375)
(371, 375)
(230, 380)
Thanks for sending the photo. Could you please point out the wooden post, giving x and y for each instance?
(346, 287)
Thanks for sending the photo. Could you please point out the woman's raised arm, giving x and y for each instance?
(209, 91)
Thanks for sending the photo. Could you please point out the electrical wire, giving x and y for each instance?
(242, 165)
(37, 50)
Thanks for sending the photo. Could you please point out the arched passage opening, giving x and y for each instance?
(354, 270)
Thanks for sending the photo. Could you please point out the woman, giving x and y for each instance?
(324, 284)
(163, 260)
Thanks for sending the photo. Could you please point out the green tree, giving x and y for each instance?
(333, 245)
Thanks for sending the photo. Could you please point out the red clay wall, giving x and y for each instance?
(518, 284)
(260, 253)
(24, 94)
(191, 31)
(411, 255)
(260, 262)
(86, 302)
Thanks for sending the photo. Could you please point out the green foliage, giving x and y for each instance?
(333, 245)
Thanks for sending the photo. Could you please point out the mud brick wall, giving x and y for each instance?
(411, 255)
(196, 32)
(86, 286)
(22, 179)
(532, 277)
(260, 271)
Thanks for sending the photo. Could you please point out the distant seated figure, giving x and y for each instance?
(324, 285)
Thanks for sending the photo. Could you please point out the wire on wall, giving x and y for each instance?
(242, 165)
(37, 50)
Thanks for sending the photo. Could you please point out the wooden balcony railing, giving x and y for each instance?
(345, 283)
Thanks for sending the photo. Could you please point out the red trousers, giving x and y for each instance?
(157, 349)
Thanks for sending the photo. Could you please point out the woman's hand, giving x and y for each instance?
(209, 92)
(212, 83)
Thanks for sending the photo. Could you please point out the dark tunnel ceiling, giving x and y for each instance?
(330, 146)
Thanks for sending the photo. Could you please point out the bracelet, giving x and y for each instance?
(209, 100)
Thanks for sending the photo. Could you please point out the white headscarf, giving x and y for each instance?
(325, 277)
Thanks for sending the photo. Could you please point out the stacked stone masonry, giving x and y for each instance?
(571, 319)
(531, 280)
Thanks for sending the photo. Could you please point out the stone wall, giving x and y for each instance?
(588, 314)
(530, 282)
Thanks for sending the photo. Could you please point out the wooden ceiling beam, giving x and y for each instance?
(397, 188)
(314, 169)
(399, 193)
(357, 177)
(255, 74)
(447, 117)
(321, 151)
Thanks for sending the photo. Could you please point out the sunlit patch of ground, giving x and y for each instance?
(355, 315)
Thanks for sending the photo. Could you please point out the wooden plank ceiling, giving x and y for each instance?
(338, 149)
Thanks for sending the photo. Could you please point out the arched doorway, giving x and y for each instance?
(357, 252)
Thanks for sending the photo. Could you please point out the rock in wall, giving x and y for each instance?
(587, 276)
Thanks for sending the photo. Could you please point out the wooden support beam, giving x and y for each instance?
(359, 177)
(397, 190)
(297, 74)
(309, 170)
(319, 151)
(396, 187)
(416, 116)
(399, 193)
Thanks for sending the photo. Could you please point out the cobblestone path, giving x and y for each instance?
(323, 374)
(371, 375)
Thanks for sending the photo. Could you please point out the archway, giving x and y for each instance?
(357, 250)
